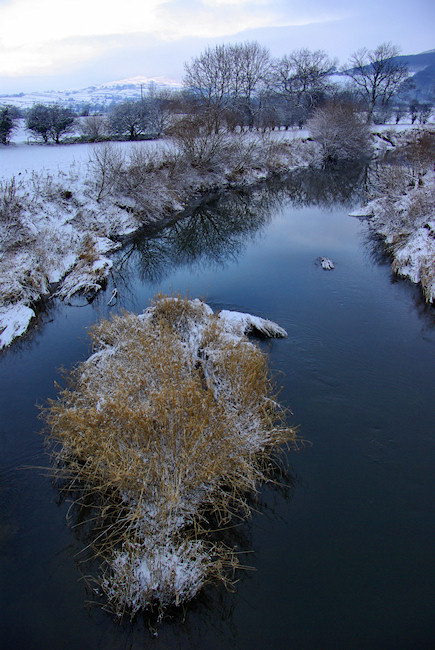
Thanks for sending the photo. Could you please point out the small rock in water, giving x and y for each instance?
(326, 263)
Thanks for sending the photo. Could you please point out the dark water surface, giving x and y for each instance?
(344, 555)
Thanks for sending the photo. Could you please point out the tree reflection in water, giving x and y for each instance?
(215, 232)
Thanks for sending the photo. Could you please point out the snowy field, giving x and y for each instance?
(25, 155)
(21, 158)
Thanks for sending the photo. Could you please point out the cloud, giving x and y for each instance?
(42, 36)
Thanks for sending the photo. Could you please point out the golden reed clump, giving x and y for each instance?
(173, 418)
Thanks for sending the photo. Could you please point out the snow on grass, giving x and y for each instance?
(402, 208)
(238, 324)
(173, 417)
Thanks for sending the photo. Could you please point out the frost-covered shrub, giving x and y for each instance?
(172, 418)
(340, 132)
(14, 233)
(403, 205)
(94, 127)
(200, 144)
(106, 163)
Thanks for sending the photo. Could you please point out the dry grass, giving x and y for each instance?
(171, 419)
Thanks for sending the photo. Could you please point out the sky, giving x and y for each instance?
(59, 44)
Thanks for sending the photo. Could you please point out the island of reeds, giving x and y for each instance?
(170, 424)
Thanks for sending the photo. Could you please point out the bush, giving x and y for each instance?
(340, 132)
(93, 127)
(106, 162)
(199, 142)
(174, 417)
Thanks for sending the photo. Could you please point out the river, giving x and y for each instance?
(342, 551)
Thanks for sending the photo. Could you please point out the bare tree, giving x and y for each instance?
(50, 121)
(159, 106)
(250, 75)
(208, 77)
(63, 121)
(228, 80)
(424, 113)
(106, 163)
(299, 81)
(7, 124)
(377, 75)
(130, 117)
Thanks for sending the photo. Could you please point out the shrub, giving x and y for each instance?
(340, 132)
(200, 143)
(93, 127)
(174, 417)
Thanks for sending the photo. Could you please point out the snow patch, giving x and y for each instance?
(405, 219)
(238, 324)
(14, 321)
(326, 264)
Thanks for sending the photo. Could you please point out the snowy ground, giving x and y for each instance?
(25, 154)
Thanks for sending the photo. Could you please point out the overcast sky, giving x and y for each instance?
(58, 44)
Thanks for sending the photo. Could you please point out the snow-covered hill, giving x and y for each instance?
(101, 95)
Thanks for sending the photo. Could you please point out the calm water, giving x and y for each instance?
(344, 554)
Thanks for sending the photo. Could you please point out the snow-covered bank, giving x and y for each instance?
(401, 208)
(57, 228)
(171, 419)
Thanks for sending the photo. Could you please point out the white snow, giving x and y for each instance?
(403, 214)
(363, 211)
(326, 263)
(14, 322)
(238, 323)
(105, 94)
(24, 159)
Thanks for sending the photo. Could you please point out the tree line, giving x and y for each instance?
(240, 86)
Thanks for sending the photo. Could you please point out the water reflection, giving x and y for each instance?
(325, 188)
(215, 232)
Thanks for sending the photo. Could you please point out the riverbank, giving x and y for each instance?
(401, 205)
(58, 229)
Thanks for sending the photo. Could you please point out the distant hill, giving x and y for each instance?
(97, 96)
(416, 62)
(422, 69)
(422, 72)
